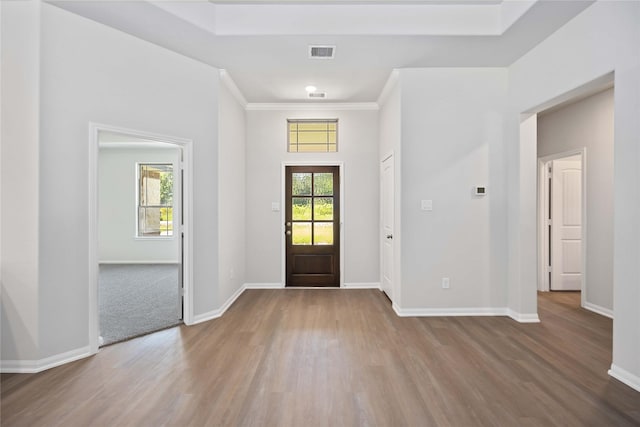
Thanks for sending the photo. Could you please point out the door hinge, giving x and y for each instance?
(548, 269)
(549, 221)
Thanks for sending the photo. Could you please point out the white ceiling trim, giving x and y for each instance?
(202, 14)
(298, 19)
(360, 2)
(439, 18)
(335, 106)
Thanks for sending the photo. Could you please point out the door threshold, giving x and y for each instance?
(313, 287)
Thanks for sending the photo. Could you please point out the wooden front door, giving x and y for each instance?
(313, 225)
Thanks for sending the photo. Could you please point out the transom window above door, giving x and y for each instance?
(312, 135)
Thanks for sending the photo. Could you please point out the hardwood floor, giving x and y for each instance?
(340, 358)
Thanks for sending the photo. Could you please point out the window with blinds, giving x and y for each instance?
(312, 136)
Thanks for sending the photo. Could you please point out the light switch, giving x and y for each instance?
(426, 205)
(275, 207)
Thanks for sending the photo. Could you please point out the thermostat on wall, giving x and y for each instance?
(481, 191)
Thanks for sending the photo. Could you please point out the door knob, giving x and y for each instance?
(389, 236)
(288, 224)
(288, 233)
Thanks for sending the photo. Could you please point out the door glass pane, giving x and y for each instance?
(323, 233)
(323, 184)
(301, 208)
(301, 233)
(301, 184)
(323, 208)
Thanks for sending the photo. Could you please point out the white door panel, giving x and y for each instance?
(387, 198)
(566, 225)
(572, 257)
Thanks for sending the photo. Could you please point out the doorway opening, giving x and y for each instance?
(575, 195)
(562, 215)
(139, 238)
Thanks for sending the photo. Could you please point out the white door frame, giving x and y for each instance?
(543, 229)
(283, 246)
(187, 218)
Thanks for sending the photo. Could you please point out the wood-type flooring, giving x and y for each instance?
(304, 357)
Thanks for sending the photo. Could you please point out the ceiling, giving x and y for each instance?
(263, 45)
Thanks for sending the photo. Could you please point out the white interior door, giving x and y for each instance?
(387, 197)
(566, 224)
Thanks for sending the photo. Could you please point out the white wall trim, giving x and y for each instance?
(625, 377)
(312, 106)
(523, 317)
(450, 312)
(225, 77)
(214, 314)
(388, 86)
(598, 309)
(204, 317)
(35, 366)
(151, 261)
(263, 286)
(362, 285)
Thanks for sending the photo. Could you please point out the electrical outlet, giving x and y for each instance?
(445, 283)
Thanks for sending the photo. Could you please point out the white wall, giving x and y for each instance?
(589, 123)
(390, 124)
(451, 142)
(603, 38)
(91, 73)
(231, 193)
(266, 150)
(20, 40)
(117, 213)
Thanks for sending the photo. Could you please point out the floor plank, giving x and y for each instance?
(304, 357)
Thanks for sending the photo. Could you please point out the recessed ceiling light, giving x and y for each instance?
(310, 89)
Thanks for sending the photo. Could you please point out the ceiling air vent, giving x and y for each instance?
(317, 95)
(321, 52)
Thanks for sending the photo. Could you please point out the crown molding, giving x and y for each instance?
(312, 106)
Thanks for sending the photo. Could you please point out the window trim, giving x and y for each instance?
(327, 144)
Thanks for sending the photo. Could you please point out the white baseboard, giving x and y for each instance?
(263, 285)
(523, 317)
(598, 309)
(35, 366)
(152, 261)
(625, 377)
(362, 285)
(447, 312)
(214, 314)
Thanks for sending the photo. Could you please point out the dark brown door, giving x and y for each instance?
(313, 225)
